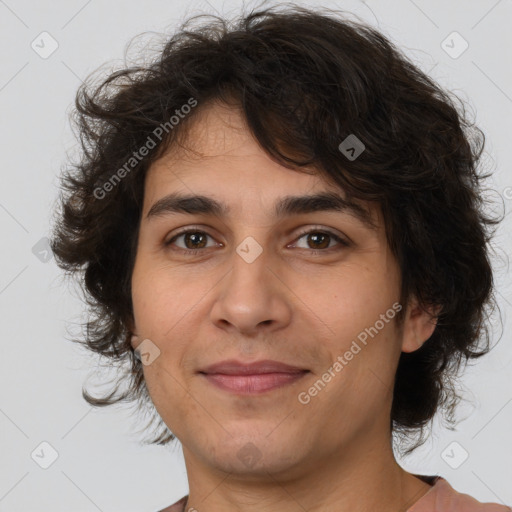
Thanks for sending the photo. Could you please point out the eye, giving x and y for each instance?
(195, 241)
(322, 238)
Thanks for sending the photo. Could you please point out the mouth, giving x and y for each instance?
(254, 378)
(253, 384)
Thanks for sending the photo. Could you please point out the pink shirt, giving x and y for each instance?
(440, 498)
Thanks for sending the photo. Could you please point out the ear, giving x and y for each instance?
(419, 324)
(134, 339)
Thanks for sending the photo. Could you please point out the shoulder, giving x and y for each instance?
(442, 497)
(179, 506)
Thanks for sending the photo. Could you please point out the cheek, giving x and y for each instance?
(349, 301)
(163, 307)
(360, 313)
(160, 298)
(170, 398)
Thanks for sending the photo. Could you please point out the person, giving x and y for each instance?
(280, 230)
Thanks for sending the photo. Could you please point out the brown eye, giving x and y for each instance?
(193, 240)
(318, 240)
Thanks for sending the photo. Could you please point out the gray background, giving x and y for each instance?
(100, 465)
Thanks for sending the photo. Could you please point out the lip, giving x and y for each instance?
(252, 378)
(234, 367)
(253, 384)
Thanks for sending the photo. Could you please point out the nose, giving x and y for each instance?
(252, 297)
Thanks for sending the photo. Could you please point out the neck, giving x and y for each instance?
(354, 478)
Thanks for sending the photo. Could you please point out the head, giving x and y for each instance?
(390, 265)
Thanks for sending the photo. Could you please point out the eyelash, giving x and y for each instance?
(315, 252)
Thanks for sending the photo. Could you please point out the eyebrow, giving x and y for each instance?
(285, 207)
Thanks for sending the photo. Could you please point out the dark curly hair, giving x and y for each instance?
(304, 81)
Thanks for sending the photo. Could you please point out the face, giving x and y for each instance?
(303, 289)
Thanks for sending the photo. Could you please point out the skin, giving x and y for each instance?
(332, 454)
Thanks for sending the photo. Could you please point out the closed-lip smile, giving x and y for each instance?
(251, 378)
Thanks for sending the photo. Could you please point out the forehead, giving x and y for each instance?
(219, 158)
(218, 138)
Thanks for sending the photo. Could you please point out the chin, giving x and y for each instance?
(256, 455)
